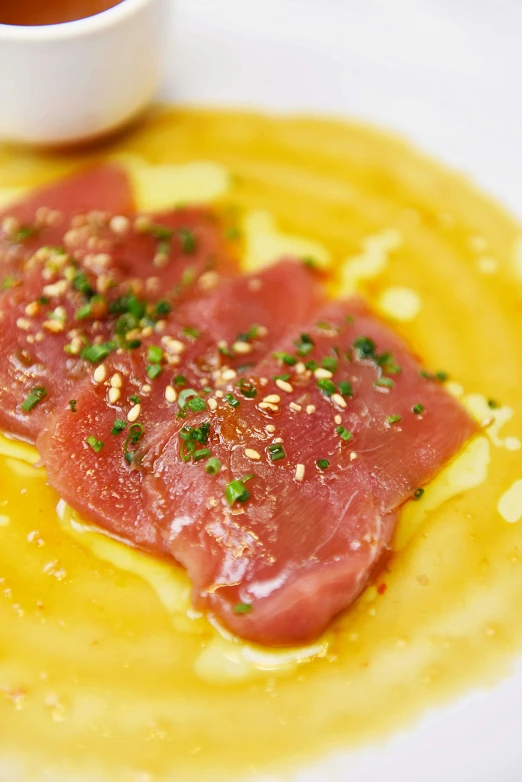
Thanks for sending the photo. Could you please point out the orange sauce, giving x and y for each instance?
(41, 12)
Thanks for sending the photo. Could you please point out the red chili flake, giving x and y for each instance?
(381, 589)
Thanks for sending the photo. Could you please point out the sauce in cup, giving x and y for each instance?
(36, 12)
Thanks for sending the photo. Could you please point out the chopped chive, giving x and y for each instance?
(201, 453)
(493, 404)
(43, 300)
(329, 363)
(72, 405)
(118, 426)
(26, 232)
(417, 494)
(441, 376)
(249, 335)
(242, 608)
(213, 466)
(323, 464)
(190, 437)
(132, 344)
(185, 395)
(232, 400)
(153, 370)
(286, 358)
(95, 444)
(163, 307)
(232, 233)
(154, 354)
(161, 232)
(247, 388)
(312, 365)
(33, 398)
(327, 387)
(96, 353)
(349, 319)
(133, 438)
(236, 491)
(393, 419)
(197, 404)
(179, 380)
(10, 282)
(310, 261)
(284, 377)
(276, 452)
(384, 382)
(187, 239)
(344, 433)
(81, 283)
(365, 347)
(324, 326)
(418, 409)
(190, 332)
(134, 399)
(304, 345)
(345, 388)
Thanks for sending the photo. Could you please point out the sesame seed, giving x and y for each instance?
(101, 259)
(100, 374)
(220, 394)
(228, 374)
(54, 326)
(338, 400)
(40, 336)
(161, 325)
(310, 409)
(299, 472)
(10, 225)
(284, 385)
(30, 339)
(241, 347)
(147, 331)
(268, 406)
(75, 346)
(142, 223)
(211, 403)
(272, 399)
(263, 381)
(72, 237)
(114, 395)
(172, 345)
(134, 413)
(277, 440)
(170, 394)
(103, 283)
(160, 260)
(295, 407)
(146, 389)
(32, 309)
(262, 331)
(251, 454)
(119, 224)
(338, 420)
(60, 312)
(270, 428)
(323, 374)
(208, 280)
(299, 368)
(116, 380)
(353, 456)
(56, 289)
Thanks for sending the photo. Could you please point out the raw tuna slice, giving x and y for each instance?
(42, 217)
(204, 343)
(74, 305)
(314, 468)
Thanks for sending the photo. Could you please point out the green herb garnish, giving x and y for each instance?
(33, 398)
(118, 426)
(326, 386)
(276, 452)
(344, 433)
(213, 466)
(94, 443)
(323, 464)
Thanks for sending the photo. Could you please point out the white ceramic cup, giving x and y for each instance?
(74, 81)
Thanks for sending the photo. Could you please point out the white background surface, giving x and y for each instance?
(447, 74)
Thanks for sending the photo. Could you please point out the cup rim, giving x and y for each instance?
(78, 27)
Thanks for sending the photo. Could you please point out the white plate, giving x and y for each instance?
(447, 74)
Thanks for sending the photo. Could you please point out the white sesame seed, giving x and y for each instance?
(262, 331)
(170, 394)
(142, 223)
(114, 395)
(241, 347)
(56, 289)
(284, 385)
(338, 400)
(119, 224)
(251, 454)
(277, 440)
(134, 413)
(54, 326)
(32, 309)
(146, 389)
(75, 346)
(270, 428)
(272, 399)
(100, 374)
(211, 403)
(220, 394)
(295, 407)
(228, 374)
(147, 331)
(268, 406)
(353, 456)
(102, 259)
(172, 345)
(40, 336)
(310, 409)
(299, 368)
(208, 280)
(299, 472)
(116, 380)
(10, 224)
(160, 260)
(338, 420)
(30, 339)
(263, 381)
(322, 374)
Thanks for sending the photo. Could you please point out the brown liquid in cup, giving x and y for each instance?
(42, 12)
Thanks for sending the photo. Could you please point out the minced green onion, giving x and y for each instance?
(249, 335)
(197, 404)
(33, 398)
(242, 608)
(323, 464)
(493, 404)
(418, 409)
(96, 353)
(213, 466)
(81, 283)
(133, 438)
(185, 395)
(154, 354)
(72, 405)
(179, 380)
(188, 240)
(232, 400)
(393, 419)
(329, 363)
(190, 332)
(236, 491)
(384, 382)
(163, 307)
(345, 388)
(286, 358)
(327, 387)
(311, 365)
(201, 453)
(247, 388)
(284, 377)
(134, 399)
(344, 433)
(304, 345)
(132, 344)
(118, 426)
(276, 452)
(95, 444)
(365, 347)
(417, 494)
(153, 371)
